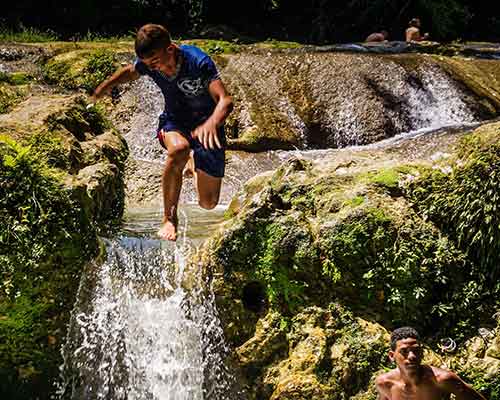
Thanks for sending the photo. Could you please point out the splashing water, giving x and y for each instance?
(137, 333)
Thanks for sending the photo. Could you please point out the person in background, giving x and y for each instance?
(381, 36)
(413, 31)
(196, 106)
(412, 380)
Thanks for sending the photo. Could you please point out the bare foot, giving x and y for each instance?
(168, 230)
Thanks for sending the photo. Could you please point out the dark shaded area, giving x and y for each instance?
(308, 21)
(254, 297)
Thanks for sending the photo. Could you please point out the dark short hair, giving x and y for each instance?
(414, 21)
(403, 333)
(149, 38)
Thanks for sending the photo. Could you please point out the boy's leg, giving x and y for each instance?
(178, 154)
(189, 169)
(208, 189)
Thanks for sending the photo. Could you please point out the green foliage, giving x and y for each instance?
(466, 205)
(100, 38)
(49, 147)
(75, 73)
(58, 72)
(44, 240)
(488, 386)
(9, 96)
(408, 270)
(17, 78)
(99, 66)
(26, 35)
(213, 47)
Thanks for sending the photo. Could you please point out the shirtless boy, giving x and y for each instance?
(196, 105)
(413, 381)
(413, 31)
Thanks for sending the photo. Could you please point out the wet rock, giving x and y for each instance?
(478, 361)
(66, 172)
(339, 245)
(323, 100)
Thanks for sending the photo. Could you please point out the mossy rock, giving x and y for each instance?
(16, 78)
(480, 76)
(377, 234)
(10, 96)
(320, 353)
(45, 238)
(286, 100)
(83, 69)
(61, 181)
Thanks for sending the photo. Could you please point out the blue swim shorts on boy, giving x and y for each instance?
(188, 103)
(210, 161)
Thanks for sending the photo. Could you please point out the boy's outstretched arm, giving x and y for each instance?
(122, 75)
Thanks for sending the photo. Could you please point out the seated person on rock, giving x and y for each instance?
(411, 380)
(413, 31)
(196, 105)
(381, 36)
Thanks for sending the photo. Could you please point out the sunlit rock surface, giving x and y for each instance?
(324, 100)
(61, 172)
(385, 235)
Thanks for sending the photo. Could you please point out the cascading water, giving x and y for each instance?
(410, 103)
(138, 332)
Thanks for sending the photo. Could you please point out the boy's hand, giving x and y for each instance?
(206, 133)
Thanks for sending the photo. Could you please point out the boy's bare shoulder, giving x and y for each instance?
(444, 376)
(388, 378)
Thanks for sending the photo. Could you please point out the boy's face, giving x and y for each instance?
(160, 57)
(407, 355)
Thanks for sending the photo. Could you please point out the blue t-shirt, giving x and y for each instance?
(187, 100)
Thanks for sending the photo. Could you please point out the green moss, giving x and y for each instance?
(399, 266)
(9, 97)
(16, 78)
(80, 69)
(213, 47)
(487, 386)
(278, 44)
(45, 237)
(279, 255)
(356, 201)
(387, 178)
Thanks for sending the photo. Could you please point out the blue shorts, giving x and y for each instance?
(213, 162)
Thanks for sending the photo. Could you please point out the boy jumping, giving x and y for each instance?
(196, 105)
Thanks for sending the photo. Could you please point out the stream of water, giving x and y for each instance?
(145, 327)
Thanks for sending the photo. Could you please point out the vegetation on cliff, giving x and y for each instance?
(413, 243)
(50, 213)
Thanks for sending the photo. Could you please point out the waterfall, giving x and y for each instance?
(137, 333)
